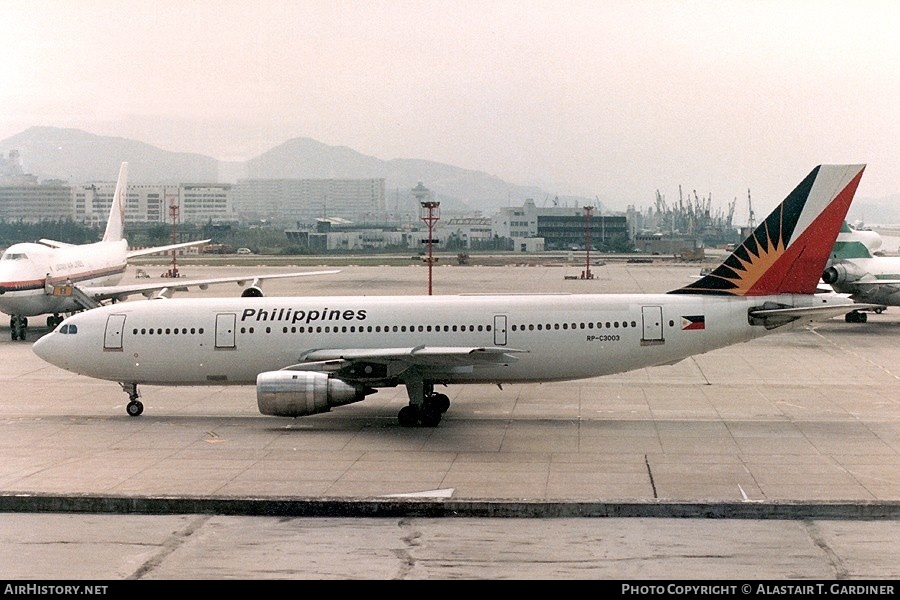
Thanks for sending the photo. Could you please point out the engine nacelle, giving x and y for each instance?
(299, 393)
(253, 291)
(842, 272)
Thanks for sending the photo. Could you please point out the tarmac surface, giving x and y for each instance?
(775, 459)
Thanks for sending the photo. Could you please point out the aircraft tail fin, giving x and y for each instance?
(115, 225)
(849, 245)
(787, 253)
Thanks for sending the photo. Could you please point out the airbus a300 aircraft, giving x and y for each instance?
(50, 277)
(306, 355)
(853, 269)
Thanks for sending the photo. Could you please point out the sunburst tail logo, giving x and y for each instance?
(787, 252)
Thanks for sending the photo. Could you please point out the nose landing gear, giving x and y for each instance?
(135, 407)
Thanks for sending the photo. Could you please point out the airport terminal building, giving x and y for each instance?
(560, 228)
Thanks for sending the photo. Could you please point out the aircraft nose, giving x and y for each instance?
(48, 348)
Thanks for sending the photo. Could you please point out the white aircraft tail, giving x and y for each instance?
(787, 252)
(115, 226)
(852, 244)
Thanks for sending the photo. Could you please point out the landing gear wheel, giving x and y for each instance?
(135, 408)
(408, 417)
(20, 328)
(856, 317)
(430, 416)
(441, 402)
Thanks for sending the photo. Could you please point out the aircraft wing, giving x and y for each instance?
(54, 243)
(168, 288)
(158, 249)
(365, 364)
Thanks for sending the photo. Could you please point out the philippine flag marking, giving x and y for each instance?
(693, 322)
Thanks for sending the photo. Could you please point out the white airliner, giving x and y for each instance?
(50, 277)
(306, 355)
(854, 269)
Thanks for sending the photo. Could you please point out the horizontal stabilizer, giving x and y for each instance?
(876, 281)
(776, 317)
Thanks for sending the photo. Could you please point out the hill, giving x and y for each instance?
(77, 156)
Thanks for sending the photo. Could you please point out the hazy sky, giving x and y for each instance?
(615, 99)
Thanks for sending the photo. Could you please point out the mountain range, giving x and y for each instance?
(76, 156)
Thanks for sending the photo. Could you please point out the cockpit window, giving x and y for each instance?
(69, 329)
(13, 256)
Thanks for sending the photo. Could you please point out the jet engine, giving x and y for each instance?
(253, 291)
(299, 393)
(842, 272)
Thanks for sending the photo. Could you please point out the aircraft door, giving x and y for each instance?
(652, 325)
(115, 328)
(225, 323)
(499, 330)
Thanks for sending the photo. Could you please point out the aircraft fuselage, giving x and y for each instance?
(223, 341)
(29, 273)
(871, 286)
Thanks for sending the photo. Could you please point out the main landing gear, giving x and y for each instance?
(856, 317)
(18, 326)
(425, 407)
(135, 407)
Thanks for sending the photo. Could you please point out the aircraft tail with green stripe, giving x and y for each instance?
(855, 269)
(855, 243)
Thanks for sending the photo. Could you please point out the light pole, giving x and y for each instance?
(173, 210)
(430, 213)
(588, 210)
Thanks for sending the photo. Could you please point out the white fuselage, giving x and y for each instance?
(221, 341)
(867, 289)
(29, 272)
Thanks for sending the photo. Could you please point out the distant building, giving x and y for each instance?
(465, 230)
(530, 244)
(561, 228)
(338, 234)
(305, 200)
(35, 202)
(90, 204)
(202, 202)
(666, 244)
(11, 171)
